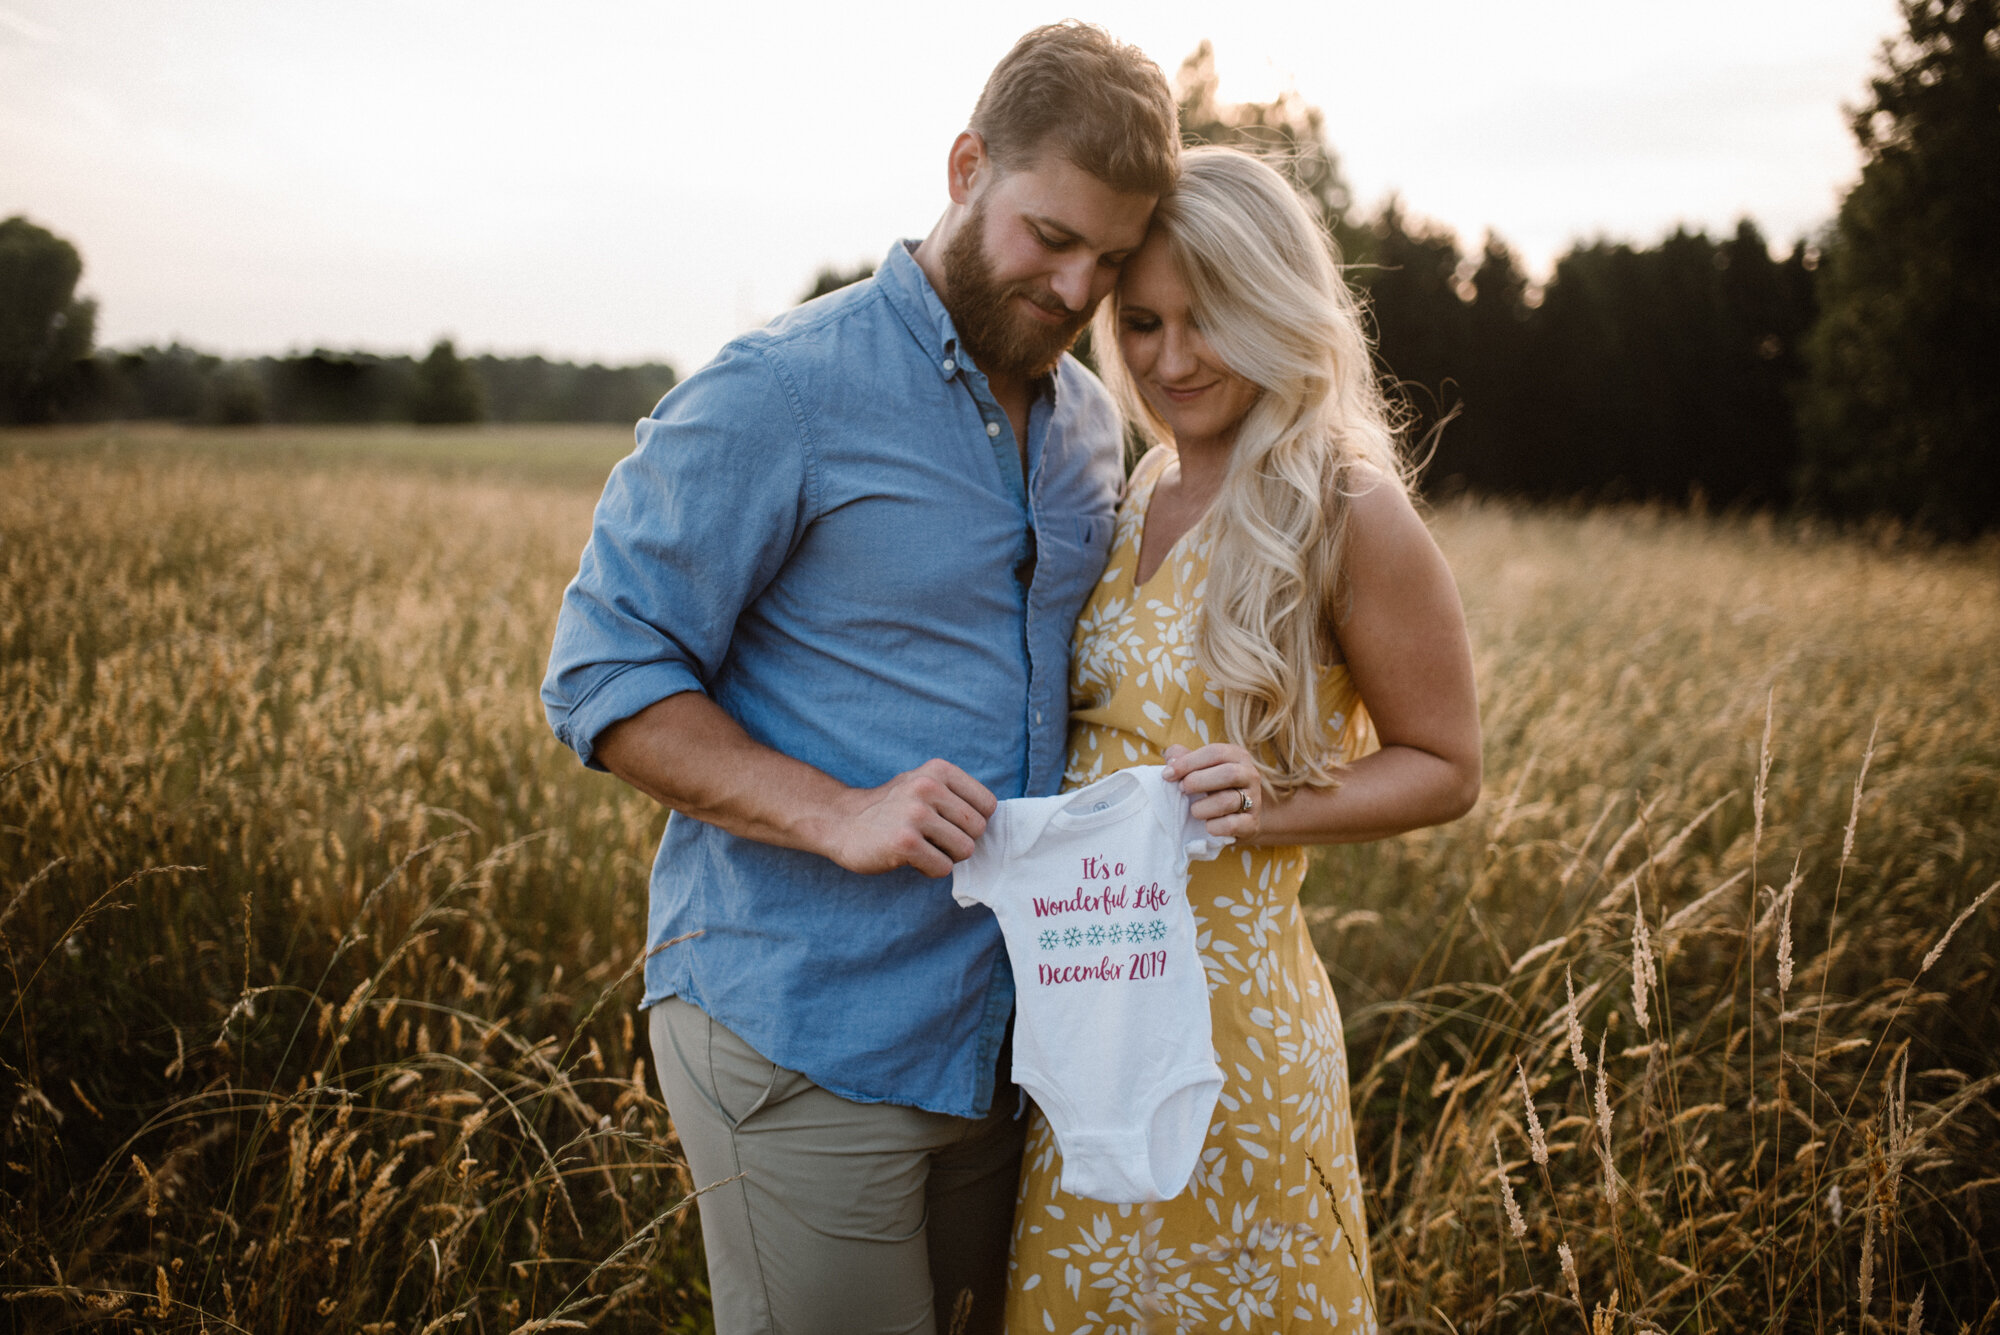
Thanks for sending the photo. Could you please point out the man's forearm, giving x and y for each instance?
(689, 755)
(686, 753)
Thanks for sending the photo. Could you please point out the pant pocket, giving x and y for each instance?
(742, 1080)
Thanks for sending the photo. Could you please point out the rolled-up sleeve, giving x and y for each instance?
(692, 526)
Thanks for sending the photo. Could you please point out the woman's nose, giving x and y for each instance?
(1177, 357)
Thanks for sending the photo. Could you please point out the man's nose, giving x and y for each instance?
(1072, 282)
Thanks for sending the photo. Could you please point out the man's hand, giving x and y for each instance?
(926, 818)
(686, 753)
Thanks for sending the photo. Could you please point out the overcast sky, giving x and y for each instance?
(627, 179)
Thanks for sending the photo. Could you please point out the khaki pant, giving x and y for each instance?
(843, 1217)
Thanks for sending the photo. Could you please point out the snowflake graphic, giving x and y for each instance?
(1114, 934)
(1072, 937)
(1048, 940)
(1095, 935)
(1158, 929)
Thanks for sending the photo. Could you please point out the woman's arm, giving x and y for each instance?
(1406, 648)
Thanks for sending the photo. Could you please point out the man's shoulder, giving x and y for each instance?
(821, 328)
(789, 353)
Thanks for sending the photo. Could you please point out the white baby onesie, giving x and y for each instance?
(1111, 1029)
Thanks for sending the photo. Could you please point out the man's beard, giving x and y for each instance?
(1001, 339)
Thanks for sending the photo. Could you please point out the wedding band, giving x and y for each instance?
(1246, 801)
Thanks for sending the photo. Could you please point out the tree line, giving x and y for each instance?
(1659, 373)
(1858, 374)
(1663, 374)
(177, 383)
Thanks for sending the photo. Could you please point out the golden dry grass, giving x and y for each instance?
(1630, 665)
(315, 938)
(320, 950)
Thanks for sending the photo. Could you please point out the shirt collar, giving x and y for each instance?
(910, 292)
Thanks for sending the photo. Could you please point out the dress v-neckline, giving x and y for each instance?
(1145, 516)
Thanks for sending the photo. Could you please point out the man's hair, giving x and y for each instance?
(1074, 88)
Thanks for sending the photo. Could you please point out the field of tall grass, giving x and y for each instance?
(320, 953)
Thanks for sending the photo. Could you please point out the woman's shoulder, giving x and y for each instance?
(1378, 505)
(1145, 474)
(1151, 463)
(1389, 558)
(1351, 479)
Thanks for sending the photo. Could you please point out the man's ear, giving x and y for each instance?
(968, 166)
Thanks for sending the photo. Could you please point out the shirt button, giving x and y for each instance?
(1038, 716)
(949, 366)
(992, 428)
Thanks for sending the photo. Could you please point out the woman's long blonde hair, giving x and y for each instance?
(1266, 291)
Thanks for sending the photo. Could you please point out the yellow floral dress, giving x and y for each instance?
(1270, 1235)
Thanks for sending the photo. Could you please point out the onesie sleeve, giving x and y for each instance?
(972, 880)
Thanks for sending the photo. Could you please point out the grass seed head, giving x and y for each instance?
(1763, 772)
(1783, 909)
(1956, 923)
(1854, 811)
(1642, 961)
(1537, 1144)
(1573, 1026)
(1602, 1099)
(1867, 1278)
(1515, 1224)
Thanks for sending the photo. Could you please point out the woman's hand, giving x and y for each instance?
(1226, 789)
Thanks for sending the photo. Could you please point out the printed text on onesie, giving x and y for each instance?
(1111, 1026)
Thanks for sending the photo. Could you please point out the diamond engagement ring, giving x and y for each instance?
(1246, 801)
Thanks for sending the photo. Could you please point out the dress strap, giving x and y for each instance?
(1147, 471)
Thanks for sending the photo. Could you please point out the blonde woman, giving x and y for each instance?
(1276, 626)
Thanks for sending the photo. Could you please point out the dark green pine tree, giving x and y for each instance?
(1420, 320)
(1901, 412)
(1492, 444)
(447, 389)
(45, 330)
(1766, 308)
(832, 279)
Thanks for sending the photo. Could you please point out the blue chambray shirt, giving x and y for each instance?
(824, 529)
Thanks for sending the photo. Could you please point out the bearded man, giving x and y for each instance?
(824, 617)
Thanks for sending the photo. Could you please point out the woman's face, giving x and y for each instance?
(1202, 401)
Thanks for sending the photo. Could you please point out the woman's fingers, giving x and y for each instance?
(1222, 785)
(1223, 802)
(1213, 768)
(1236, 824)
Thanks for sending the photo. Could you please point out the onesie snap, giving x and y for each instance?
(1111, 1023)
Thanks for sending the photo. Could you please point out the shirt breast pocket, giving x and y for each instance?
(1073, 552)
